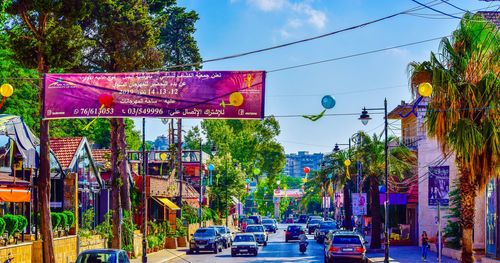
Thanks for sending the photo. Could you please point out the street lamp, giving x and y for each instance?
(364, 118)
(278, 183)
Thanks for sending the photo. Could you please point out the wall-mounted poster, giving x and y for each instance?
(359, 204)
(439, 185)
(338, 200)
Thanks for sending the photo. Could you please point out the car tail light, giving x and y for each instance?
(288, 233)
(360, 249)
(333, 249)
(303, 232)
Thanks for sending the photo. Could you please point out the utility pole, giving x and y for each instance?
(226, 192)
(201, 184)
(144, 200)
(179, 162)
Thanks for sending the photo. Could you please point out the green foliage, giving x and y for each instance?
(71, 218)
(56, 219)
(180, 228)
(189, 213)
(88, 219)
(105, 229)
(453, 229)
(22, 222)
(64, 221)
(128, 228)
(135, 196)
(2, 226)
(11, 224)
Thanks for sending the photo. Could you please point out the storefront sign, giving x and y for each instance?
(326, 202)
(439, 183)
(289, 193)
(338, 199)
(178, 94)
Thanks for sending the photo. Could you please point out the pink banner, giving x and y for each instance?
(180, 94)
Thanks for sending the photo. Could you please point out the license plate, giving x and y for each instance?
(348, 249)
(202, 246)
(243, 250)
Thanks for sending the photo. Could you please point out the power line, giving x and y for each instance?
(448, 3)
(435, 10)
(356, 55)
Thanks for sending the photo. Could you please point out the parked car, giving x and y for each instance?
(275, 223)
(103, 255)
(245, 223)
(269, 225)
(312, 225)
(260, 233)
(227, 236)
(323, 229)
(257, 219)
(244, 243)
(345, 246)
(302, 219)
(289, 220)
(311, 218)
(206, 239)
(293, 232)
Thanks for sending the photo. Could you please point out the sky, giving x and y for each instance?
(228, 27)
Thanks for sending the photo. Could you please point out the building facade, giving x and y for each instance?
(296, 162)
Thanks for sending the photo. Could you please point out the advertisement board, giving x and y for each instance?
(359, 204)
(439, 183)
(289, 193)
(338, 199)
(178, 94)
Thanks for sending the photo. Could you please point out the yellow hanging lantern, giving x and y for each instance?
(425, 89)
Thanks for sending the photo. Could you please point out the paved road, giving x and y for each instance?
(275, 251)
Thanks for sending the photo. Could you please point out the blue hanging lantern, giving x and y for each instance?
(328, 102)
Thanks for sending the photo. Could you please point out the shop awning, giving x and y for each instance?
(14, 194)
(165, 202)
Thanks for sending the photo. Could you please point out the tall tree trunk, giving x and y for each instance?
(116, 182)
(44, 175)
(375, 210)
(467, 209)
(179, 162)
(123, 161)
(347, 206)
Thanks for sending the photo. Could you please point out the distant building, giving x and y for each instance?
(161, 143)
(295, 163)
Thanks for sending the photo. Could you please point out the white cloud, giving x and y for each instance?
(268, 5)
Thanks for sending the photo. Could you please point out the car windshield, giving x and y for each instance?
(294, 228)
(315, 221)
(267, 221)
(255, 229)
(248, 221)
(105, 257)
(204, 233)
(244, 238)
(328, 225)
(222, 230)
(347, 240)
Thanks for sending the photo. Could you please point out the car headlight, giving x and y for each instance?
(211, 240)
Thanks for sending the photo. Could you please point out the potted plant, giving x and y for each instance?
(11, 224)
(181, 234)
(170, 239)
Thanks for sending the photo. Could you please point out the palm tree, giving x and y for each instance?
(370, 153)
(463, 110)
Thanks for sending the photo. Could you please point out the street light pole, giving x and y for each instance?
(364, 118)
(201, 184)
(386, 259)
(144, 201)
(226, 192)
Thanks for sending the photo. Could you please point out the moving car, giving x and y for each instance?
(293, 232)
(269, 225)
(345, 246)
(260, 233)
(311, 218)
(302, 219)
(323, 229)
(244, 243)
(257, 219)
(227, 236)
(206, 239)
(313, 224)
(245, 223)
(103, 255)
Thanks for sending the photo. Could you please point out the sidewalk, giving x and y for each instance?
(164, 255)
(407, 254)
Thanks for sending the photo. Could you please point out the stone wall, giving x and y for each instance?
(65, 250)
(93, 242)
(20, 253)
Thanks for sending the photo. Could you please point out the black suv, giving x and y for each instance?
(208, 239)
(313, 224)
(293, 232)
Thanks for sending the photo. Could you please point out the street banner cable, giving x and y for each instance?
(177, 94)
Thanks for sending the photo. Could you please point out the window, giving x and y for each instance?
(255, 229)
(123, 258)
(346, 240)
(5, 149)
(244, 238)
(204, 233)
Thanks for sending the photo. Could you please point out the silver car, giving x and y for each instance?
(227, 236)
(260, 233)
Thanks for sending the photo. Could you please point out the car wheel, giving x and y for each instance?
(265, 243)
(216, 249)
(220, 248)
(286, 240)
(255, 254)
(190, 251)
(197, 251)
(233, 254)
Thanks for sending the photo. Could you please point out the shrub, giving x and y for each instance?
(56, 219)
(71, 218)
(88, 219)
(22, 223)
(11, 224)
(180, 229)
(2, 226)
(64, 220)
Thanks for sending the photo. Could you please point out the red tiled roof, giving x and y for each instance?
(65, 149)
(102, 156)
